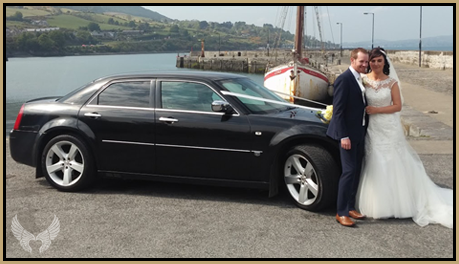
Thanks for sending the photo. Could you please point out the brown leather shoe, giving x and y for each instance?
(344, 220)
(356, 215)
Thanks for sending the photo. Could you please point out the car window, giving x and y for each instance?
(187, 96)
(246, 87)
(128, 94)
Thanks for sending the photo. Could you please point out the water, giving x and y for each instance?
(29, 78)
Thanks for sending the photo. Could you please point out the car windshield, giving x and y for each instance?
(248, 92)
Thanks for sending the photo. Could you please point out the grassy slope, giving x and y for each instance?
(26, 12)
(68, 21)
(73, 22)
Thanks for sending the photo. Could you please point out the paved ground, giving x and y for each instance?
(124, 219)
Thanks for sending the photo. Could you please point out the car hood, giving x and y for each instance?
(300, 114)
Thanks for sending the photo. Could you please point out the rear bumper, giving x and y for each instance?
(22, 147)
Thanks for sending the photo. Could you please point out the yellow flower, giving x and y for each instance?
(327, 115)
(328, 112)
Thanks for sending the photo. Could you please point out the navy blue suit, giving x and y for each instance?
(347, 120)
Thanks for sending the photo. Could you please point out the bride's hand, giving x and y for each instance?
(371, 110)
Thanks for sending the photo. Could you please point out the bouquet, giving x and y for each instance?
(325, 116)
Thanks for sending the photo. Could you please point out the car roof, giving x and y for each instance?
(191, 75)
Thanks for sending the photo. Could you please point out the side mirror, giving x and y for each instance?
(222, 106)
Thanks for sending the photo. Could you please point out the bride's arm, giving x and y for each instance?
(395, 107)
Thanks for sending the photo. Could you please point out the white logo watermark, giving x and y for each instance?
(45, 237)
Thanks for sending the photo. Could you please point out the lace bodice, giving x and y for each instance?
(384, 130)
(378, 93)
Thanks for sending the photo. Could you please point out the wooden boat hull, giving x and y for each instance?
(312, 84)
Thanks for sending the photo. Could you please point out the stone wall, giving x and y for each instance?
(429, 59)
(228, 64)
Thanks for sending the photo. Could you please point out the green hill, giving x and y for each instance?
(130, 10)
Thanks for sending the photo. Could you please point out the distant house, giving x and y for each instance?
(97, 34)
(40, 22)
(132, 32)
(41, 29)
(103, 34)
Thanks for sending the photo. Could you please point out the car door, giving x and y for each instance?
(194, 141)
(122, 119)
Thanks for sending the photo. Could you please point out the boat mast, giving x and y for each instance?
(299, 31)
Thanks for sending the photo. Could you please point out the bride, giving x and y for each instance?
(393, 183)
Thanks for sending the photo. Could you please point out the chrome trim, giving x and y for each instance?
(207, 148)
(190, 111)
(256, 152)
(166, 119)
(127, 142)
(92, 115)
(122, 107)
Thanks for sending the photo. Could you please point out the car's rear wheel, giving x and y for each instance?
(311, 177)
(67, 164)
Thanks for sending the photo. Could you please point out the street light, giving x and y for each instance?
(341, 38)
(420, 36)
(372, 28)
(218, 44)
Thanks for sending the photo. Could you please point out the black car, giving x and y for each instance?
(191, 127)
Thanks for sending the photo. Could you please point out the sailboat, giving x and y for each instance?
(296, 78)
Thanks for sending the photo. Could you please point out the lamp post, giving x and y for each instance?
(372, 28)
(218, 44)
(340, 38)
(420, 38)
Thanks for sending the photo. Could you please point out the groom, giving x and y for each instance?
(348, 126)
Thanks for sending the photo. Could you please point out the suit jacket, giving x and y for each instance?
(348, 109)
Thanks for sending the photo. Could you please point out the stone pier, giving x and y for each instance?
(256, 61)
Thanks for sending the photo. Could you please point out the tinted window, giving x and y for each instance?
(255, 95)
(132, 94)
(187, 96)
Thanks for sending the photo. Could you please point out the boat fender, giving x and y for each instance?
(330, 90)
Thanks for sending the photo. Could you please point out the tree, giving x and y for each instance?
(174, 29)
(58, 38)
(145, 27)
(84, 37)
(93, 26)
(45, 42)
(203, 24)
(111, 21)
(27, 42)
(132, 24)
(17, 16)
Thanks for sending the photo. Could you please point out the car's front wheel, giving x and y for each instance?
(311, 177)
(67, 164)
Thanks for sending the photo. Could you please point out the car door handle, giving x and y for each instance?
(168, 120)
(93, 115)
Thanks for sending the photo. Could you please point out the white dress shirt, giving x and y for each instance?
(359, 81)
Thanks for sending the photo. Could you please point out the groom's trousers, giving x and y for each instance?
(351, 164)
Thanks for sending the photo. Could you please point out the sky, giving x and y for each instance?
(391, 23)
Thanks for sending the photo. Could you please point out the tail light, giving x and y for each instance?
(18, 119)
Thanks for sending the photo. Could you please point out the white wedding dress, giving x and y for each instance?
(393, 183)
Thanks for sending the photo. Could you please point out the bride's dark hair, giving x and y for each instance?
(376, 52)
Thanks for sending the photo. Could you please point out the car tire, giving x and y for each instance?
(67, 163)
(311, 177)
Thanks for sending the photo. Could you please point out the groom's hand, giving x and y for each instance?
(346, 143)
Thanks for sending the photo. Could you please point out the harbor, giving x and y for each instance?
(428, 111)
(256, 61)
